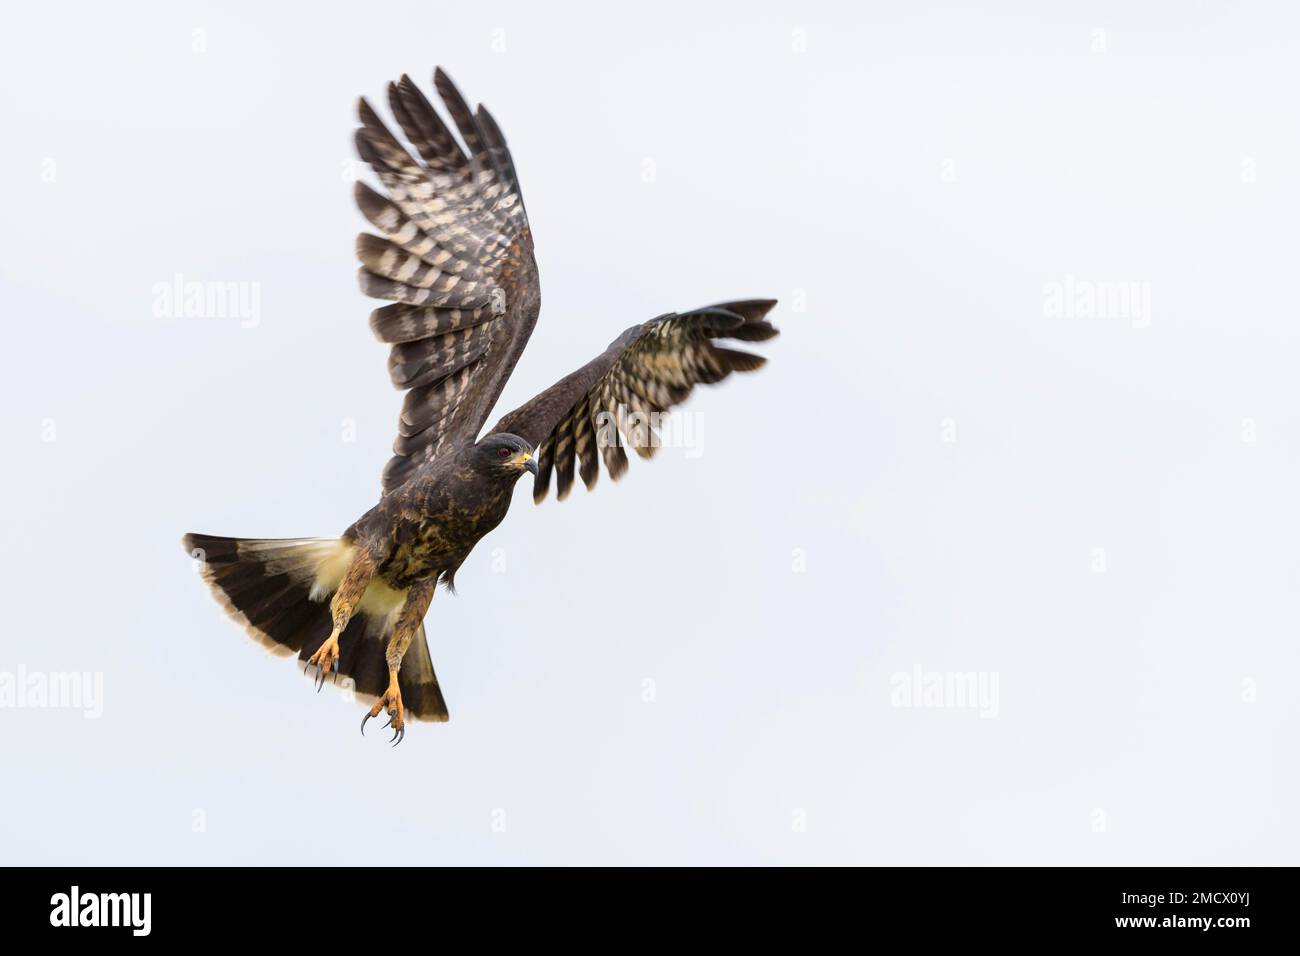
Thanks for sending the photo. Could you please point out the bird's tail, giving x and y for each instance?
(278, 590)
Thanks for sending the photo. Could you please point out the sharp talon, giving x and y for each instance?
(363, 724)
(390, 721)
(398, 735)
(305, 666)
(320, 682)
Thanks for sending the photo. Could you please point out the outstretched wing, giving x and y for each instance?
(456, 260)
(615, 399)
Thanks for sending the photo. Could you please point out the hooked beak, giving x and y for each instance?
(530, 463)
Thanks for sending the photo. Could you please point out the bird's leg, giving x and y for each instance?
(344, 602)
(413, 610)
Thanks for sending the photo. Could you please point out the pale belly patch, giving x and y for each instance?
(380, 598)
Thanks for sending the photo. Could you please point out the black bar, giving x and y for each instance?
(968, 905)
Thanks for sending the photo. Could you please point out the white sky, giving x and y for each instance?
(953, 459)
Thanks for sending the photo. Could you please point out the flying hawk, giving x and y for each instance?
(455, 258)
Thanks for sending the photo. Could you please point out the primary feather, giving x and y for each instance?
(456, 258)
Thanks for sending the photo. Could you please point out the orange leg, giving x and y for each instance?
(418, 599)
(342, 605)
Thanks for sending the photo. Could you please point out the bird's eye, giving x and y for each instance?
(503, 454)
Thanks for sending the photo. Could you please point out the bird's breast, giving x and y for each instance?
(437, 535)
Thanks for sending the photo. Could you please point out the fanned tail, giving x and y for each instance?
(278, 590)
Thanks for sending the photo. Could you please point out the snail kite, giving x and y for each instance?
(454, 256)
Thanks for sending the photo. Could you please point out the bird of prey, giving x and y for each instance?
(454, 256)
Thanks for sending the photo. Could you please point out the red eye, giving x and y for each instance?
(504, 453)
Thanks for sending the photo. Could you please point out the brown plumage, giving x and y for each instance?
(454, 256)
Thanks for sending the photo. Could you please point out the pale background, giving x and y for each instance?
(932, 471)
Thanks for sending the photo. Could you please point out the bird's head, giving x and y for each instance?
(506, 456)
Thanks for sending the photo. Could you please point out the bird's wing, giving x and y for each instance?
(615, 399)
(456, 259)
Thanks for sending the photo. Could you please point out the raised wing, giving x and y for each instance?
(455, 258)
(615, 399)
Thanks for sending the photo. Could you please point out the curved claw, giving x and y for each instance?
(394, 713)
(320, 680)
